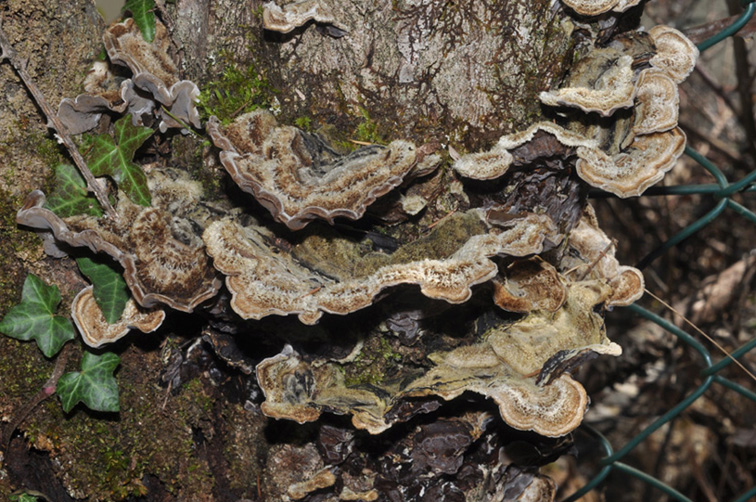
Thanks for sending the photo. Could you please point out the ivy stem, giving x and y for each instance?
(47, 390)
(9, 53)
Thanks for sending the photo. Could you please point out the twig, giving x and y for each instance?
(47, 390)
(9, 53)
(700, 33)
(701, 332)
(181, 122)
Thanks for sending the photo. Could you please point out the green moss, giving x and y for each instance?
(368, 131)
(45, 147)
(239, 89)
(107, 456)
(14, 243)
(303, 123)
(376, 361)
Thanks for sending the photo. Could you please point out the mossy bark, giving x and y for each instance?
(455, 73)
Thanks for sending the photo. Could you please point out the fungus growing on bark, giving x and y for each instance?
(298, 178)
(635, 168)
(657, 103)
(154, 71)
(95, 330)
(675, 55)
(266, 281)
(495, 162)
(163, 261)
(102, 94)
(596, 7)
(596, 260)
(607, 92)
(503, 367)
(291, 16)
(528, 285)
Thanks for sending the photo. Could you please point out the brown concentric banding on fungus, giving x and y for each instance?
(590, 7)
(299, 178)
(265, 281)
(96, 331)
(597, 7)
(637, 167)
(158, 268)
(675, 55)
(528, 285)
(495, 162)
(293, 15)
(503, 367)
(153, 70)
(657, 103)
(609, 92)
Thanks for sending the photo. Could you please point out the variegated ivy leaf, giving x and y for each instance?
(144, 16)
(70, 196)
(114, 158)
(110, 289)
(94, 385)
(34, 318)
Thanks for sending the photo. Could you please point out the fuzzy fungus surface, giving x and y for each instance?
(385, 281)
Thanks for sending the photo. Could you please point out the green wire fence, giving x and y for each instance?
(722, 192)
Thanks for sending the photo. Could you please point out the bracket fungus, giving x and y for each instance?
(163, 261)
(597, 7)
(96, 331)
(675, 54)
(293, 15)
(298, 178)
(528, 285)
(266, 281)
(607, 92)
(631, 171)
(512, 222)
(154, 71)
(503, 367)
(496, 162)
(624, 153)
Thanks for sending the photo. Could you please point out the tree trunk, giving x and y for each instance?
(455, 74)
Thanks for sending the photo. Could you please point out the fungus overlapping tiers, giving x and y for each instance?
(266, 281)
(163, 261)
(155, 84)
(623, 153)
(299, 178)
(503, 367)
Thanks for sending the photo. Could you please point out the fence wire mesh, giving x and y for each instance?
(721, 194)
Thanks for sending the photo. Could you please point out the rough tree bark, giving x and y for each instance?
(459, 74)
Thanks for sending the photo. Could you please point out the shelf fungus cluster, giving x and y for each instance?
(163, 258)
(153, 92)
(503, 272)
(618, 110)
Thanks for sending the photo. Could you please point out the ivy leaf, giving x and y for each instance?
(110, 289)
(109, 157)
(34, 318)
(144, 16)
(94, 385)
(70, 196)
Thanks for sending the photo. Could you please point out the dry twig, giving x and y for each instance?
(9, 53)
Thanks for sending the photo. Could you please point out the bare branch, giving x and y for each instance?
(698, 34)
(9, 53)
